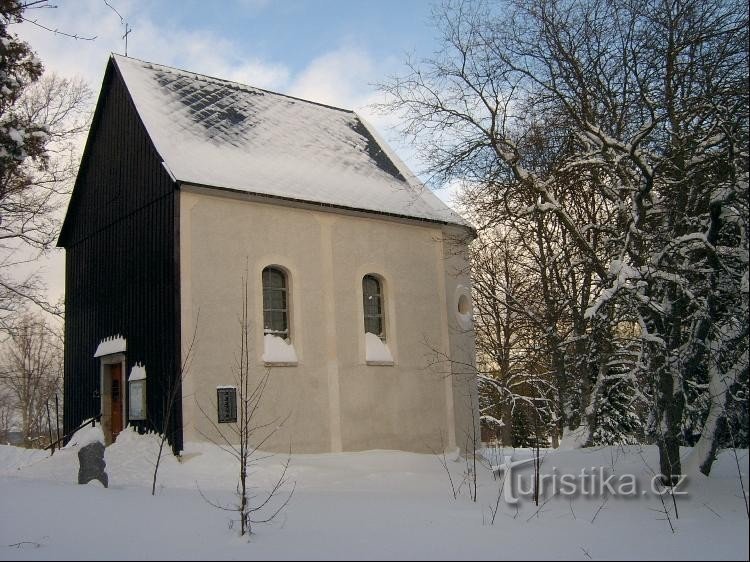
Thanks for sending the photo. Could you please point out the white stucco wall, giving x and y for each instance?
(333, 399)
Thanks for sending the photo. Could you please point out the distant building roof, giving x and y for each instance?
(216, 133)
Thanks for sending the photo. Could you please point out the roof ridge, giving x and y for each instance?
(335, 159)
(233, 83)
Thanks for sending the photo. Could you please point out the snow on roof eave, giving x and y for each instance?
(292, 201)
(414, 182)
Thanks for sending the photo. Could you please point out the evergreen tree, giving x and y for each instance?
(20, 137)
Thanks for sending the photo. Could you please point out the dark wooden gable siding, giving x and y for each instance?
(122, 270)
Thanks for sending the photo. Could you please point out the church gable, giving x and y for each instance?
(121, 246)
(120, 170)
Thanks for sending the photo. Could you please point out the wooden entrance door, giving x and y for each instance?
(116, 399)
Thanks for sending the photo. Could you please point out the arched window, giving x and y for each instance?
(372, 295)
(275, 303)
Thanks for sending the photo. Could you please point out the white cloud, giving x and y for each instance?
(206, 53)
(337, 78)
(198, 50)
(68, 56)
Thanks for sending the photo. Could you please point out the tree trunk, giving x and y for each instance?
(670, 405)
(703, 455)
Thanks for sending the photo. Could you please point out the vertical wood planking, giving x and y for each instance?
(121, 252)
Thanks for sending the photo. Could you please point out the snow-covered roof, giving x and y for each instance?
(216, 133)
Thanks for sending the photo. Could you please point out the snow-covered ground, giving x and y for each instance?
(367, 505)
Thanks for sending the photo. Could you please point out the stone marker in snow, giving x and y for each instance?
(91, 461)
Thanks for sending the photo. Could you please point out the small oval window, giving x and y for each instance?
(463, 308)
(464, 305)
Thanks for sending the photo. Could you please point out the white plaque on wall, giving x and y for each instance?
(137, 400)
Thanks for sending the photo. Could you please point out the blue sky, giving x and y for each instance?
(330, 51)
(295, 31)
(271, 43)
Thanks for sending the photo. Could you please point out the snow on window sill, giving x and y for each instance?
(277, 352)
(376, 351)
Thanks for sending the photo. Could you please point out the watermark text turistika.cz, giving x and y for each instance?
(590, 481)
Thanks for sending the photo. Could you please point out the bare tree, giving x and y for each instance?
(639, 107)
(41, 120)
(6, 414)
(31, 373)
(244, 437)
(512, 371)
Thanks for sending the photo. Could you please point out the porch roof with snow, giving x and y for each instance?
(221, 134)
